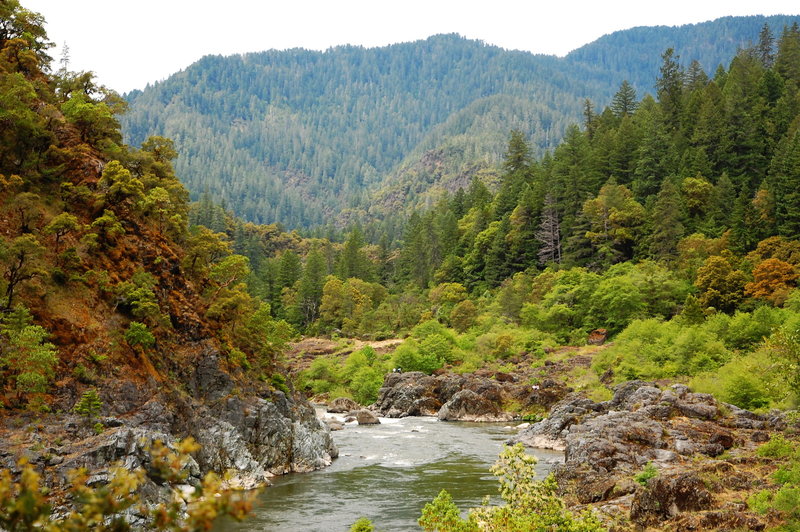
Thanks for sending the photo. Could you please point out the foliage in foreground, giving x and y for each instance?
(785, 497)
(24, 505)
(529, 504)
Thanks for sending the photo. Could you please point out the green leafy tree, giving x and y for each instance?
(108, 227)
(615, 217)
(463, 315)
(204, 247)
(230, 271)
(94, 120)
(22, 261)
(27, 205)
(60, 226)
(120, 186)
(264, 336)
(721, 286)
(31, 358)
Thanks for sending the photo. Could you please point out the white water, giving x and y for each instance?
(387, 473)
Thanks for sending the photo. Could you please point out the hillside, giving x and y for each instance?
(112, 329)
(296, 136)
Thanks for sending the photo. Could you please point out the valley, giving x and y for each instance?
(441, 235)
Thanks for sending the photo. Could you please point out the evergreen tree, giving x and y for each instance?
(666, 222)
(289, 269)
(309, 291)
(624, 102)
(669, 88)
(765, 49)
(787, 60)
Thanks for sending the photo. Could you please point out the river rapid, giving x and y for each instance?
(387, 473)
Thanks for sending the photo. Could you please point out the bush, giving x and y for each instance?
(529, 504)
(653, 349)
(24, 504)
(138, 334)
(408, 357)
(278, 382)
(786, 499)
(750, 380)
(89, 405)
(649, 471)
(362, 525)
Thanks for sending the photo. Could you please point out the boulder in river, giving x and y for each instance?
(417, 394)
(367, 417)
(467, 405)
(342, 405)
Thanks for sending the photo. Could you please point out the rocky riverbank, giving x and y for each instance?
(479, 396)
(698, 451)
(654, 456)
(246, 435)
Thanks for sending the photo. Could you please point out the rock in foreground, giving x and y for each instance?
(675, 433)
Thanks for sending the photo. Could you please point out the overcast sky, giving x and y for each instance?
(128, 44)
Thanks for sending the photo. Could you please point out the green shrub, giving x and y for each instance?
(649, 471)
(529, 504)
(137, 334)
(89, 405)
(779, 447)
(653, 349)
(362, 525)
(408, 357)
(750, 380)
(278, 382)
(785, 499)
(365, 384)
(136, 296)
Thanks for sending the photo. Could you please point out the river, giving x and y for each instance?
(387, 473)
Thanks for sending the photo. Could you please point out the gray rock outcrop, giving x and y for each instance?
(467, 405)
(246, 437)
(342, 405)
(417, 394)
(605, 444)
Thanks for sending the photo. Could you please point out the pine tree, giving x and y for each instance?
(765, 49)
(669, 88)
(309, 291)
(787, 61)
(624, 102)
(666, 222)
(289, 269)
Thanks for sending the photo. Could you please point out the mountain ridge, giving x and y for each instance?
(297, 136)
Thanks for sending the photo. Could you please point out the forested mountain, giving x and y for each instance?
(299, 136)
(629, 54)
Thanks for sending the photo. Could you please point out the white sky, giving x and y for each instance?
(128, 44)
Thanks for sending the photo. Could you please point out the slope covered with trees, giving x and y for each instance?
(298, 136)
(669, 218)
(122, 329)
